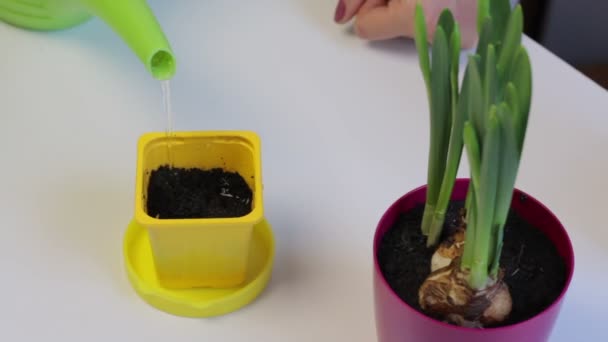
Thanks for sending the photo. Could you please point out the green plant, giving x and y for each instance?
(493, 102)
(447, 118)
(494, 137)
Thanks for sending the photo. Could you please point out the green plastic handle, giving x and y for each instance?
(133, 20)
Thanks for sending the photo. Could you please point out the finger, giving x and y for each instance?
(397, 19)
(370, 5)
(385, 22)
(346, 9)
(465, 13)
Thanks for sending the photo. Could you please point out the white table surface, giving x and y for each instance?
(344, 126)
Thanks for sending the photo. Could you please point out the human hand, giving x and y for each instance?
(385, 19)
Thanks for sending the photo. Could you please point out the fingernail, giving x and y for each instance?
(340, 11)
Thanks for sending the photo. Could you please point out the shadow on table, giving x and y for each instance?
(400, 46)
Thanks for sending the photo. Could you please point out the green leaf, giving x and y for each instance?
(512, 98)
(490, 82)
(478, 64)
(423, 47)
(455, 62)
(471, 143)
(440, 93)
(485, 37)
(486, 198)
(512, 40)
(475, 102)
(440, 122)
(466, 262)
(446, 22)
(500, 10)
(483, 13)
(468, 201)
(508, 167)
(459, 115)
(521, 77)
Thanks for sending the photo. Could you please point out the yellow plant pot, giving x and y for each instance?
(205, 252)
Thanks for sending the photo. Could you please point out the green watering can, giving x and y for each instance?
(131, 19)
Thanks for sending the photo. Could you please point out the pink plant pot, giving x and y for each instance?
(396, 321)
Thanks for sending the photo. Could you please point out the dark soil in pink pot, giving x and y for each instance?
(537, 258)
(534, 271)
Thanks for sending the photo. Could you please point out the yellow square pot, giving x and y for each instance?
(206, 252)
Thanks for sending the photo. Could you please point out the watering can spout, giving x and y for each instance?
(132, 20)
